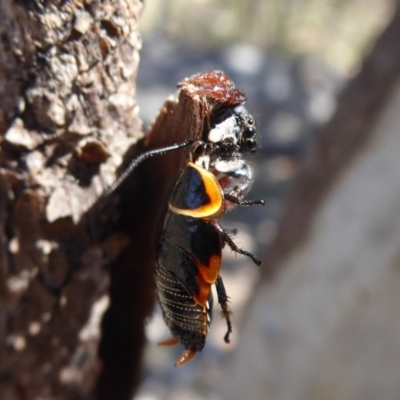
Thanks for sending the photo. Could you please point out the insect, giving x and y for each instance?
(215, 179)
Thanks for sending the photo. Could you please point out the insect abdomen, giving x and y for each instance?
(184, 317)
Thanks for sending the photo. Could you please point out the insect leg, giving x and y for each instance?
(235, 200)
(227, 240)
(223, 301)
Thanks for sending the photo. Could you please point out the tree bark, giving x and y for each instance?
(67, 115)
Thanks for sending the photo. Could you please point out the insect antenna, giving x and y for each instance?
(133, 164)
(138, 160)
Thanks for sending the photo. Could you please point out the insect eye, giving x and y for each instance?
(251, 145)
(248, 133)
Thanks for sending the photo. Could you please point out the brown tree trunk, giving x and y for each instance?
(67, 115)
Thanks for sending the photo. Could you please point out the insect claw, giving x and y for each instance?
(226, 337)
(256, 261)
(186, 356)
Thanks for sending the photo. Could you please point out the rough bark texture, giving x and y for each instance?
(67, 114)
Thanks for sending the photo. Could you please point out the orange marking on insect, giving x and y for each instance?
(215, 207)
(203, 295)
(210, 272)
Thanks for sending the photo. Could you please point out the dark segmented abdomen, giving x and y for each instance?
(185, 318)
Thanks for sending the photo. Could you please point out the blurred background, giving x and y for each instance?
(324, 326)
